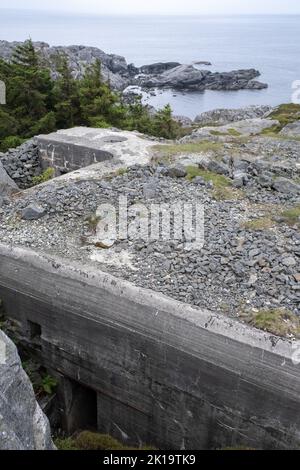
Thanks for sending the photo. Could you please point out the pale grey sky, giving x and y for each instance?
(160, 6)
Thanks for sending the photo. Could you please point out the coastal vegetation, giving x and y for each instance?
(37, 103)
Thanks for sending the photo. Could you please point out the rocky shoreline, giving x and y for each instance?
(115, 69)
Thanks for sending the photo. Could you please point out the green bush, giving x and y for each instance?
(11, 142)
(47, 175)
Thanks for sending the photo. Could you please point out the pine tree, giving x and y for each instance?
(164, 125)
(100, 107)
(30, 88)
(66, 95)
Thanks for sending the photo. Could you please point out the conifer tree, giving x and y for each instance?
(66, 95)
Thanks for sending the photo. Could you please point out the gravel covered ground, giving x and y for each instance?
(242, 266)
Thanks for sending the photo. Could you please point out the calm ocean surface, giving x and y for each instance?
(269, 43)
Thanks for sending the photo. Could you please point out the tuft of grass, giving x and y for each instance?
(279, 321)
(204, 146)
(263, 223)
(291, 216)
(234, 132)
(47, 175)
(218, 133)
(219, 181)
(92, 221)
(271, 131)
(286, 113)
(88, 440)
(121, 171)
(227, 194)
(230, 132)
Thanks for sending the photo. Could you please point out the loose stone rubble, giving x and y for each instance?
(22, 164)
(251, 255)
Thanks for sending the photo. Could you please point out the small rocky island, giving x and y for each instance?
(120, 74)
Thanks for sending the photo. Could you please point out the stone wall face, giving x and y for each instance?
(65, 157)
(165, 374)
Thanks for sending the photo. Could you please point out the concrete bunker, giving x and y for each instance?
(65, 152)
(164, 373)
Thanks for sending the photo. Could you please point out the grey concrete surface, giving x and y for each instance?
(72, 149)
(165, 374)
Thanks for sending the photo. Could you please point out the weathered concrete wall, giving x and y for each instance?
(165, 373)
(66, 157)
(71, 149)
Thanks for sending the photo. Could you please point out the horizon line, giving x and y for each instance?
(192, 14)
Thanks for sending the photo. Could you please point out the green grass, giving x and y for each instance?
(204, 146)
(222, 190)
(279, 321)
(234, 132)
(230, 132)
(263, 223)
(291, 216)
(219, 181)
(227, 194)
(47, 175)
(286, 113)
(87, 440)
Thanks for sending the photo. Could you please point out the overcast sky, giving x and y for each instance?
(160, 6)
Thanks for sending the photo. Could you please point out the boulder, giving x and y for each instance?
(291, 130)
(285, 185)
(33, 212)
(23, 426)
(177, 171)
(7, 185)
(226, 116)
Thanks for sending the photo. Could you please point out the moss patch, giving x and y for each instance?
(219, 181)
(227, 194)
(291, 216)
(279, 321)
(47, 175)
(286, 113)
(263, 223)
(204, 146)
(87, 440)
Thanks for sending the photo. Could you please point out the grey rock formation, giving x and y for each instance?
(114, 67)
(291, 130)
(23, 426)
(120, 75)
(226, 116)
(187, 77)
(7, 185)
(33, 212)
(158, 68)
(284, 185)
(246, 127)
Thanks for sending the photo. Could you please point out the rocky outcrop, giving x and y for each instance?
(187, 77)
(291, 130)
(7, 185)
(226, 116)
(158, 68)
(22, 164)
(246, 127)
(161, 75)
(114, 67)
(23, 426)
